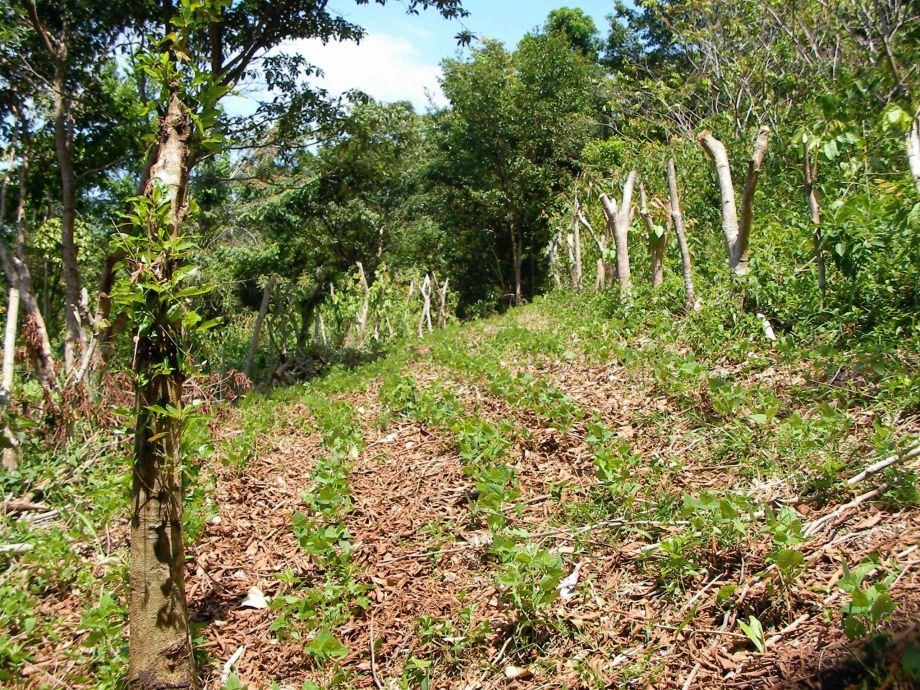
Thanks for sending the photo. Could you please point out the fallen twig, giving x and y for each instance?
(231, 664)
(377, 682)
(8, 507)
(691, 677)
(909, 454)
(822, 522)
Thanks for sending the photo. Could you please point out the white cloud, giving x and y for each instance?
(388, 68)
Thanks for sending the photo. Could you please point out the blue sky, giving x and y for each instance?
(505, 20)
(399, 58)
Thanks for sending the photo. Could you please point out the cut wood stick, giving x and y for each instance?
(231, 664)
(21, 507)
(374, 676)
(16, 549)
(676, 628)
(40, 517)
(9, 347)
(792, 627)
(691, 677)
(909, 454)
(822, 522)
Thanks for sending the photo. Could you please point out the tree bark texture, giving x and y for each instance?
(618, 221)
(160, 649)
(913, 150)
(656, 245)
(576, 232)
(736, 233)
(517, 256)
(678, 220)
(257, 329)
(365, 306)
(9, 441)
(442, 304)
(63, 145)
(424, 319)
(810, 173)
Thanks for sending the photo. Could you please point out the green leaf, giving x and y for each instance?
(754, 631)
(789, 559)
(726, 592)
(910, 663)
(895, 115)
(325, 645)
(882, 607)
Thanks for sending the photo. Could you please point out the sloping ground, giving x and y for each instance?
(530, 502)
(664, 579)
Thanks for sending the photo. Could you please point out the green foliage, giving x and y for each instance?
(870, 603)
(530, 578)
(754, 631)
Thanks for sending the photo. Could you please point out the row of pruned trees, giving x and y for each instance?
(295, 329)
(662, 216)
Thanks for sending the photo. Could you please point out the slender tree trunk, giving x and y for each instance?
(63, 144)
(365, 306)
(257, 330)
(9, 347)
(913, 150)
(425, 316)
(716, 151)
(678, 220)
(517, 251)
(4, 184)
(35, 334)
(747, 200)
(319, 329)
(553, 255)
(442, 304)
(160, 645)
(578, 263)
(308, 307)
(570, 253)
(810, 172)
(10, 442)
(656, 244)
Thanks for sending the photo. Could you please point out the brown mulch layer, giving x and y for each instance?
(417, 543)
(248, 544)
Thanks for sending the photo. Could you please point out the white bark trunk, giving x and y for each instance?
(913, 150)
(690, 302)
(10, 442)
(716, 151)
(425, 316)
(442, 304)
(9, 347)
(365, 306)
(576, 232)
(737, 234)
(618, 220)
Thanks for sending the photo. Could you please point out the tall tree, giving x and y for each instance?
(509, 143)
(202, 51)
(578, 27)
